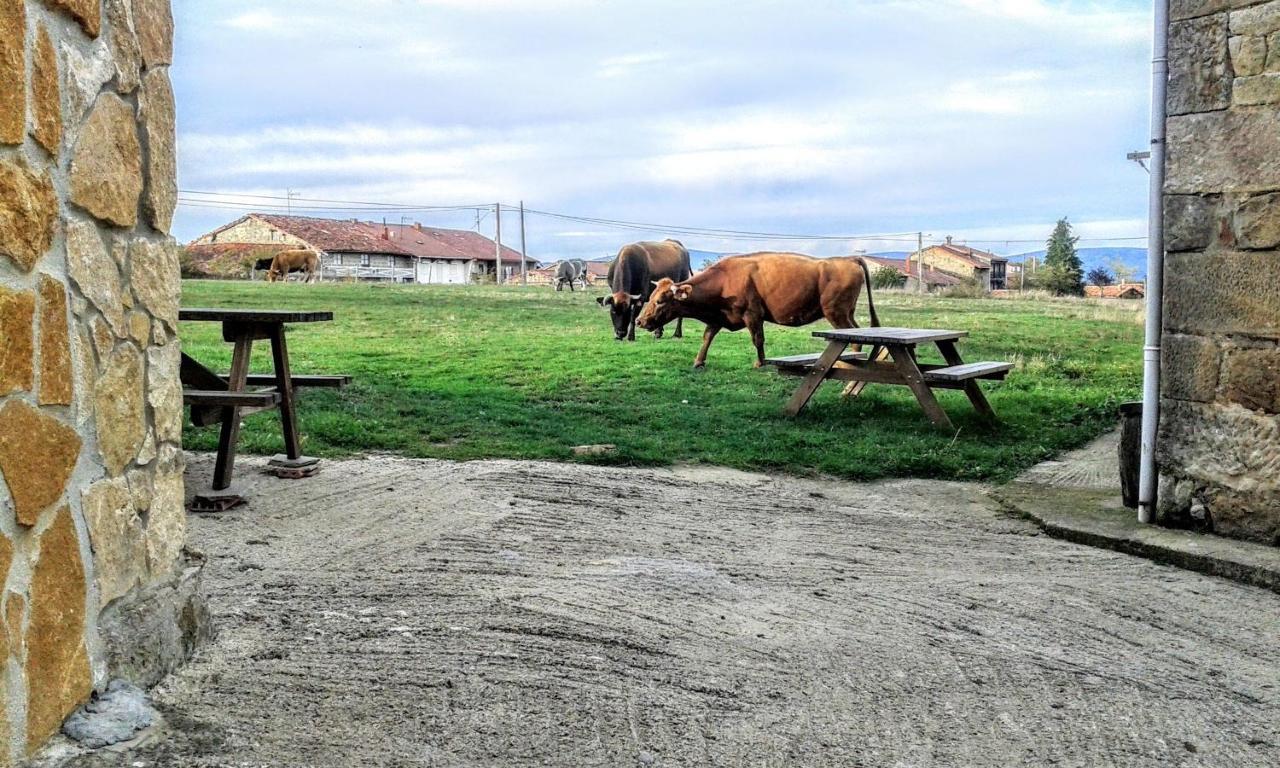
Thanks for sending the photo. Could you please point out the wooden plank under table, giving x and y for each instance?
(901, 367)
(242, 327)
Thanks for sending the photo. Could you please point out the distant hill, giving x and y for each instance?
(1134, 258)
(892, 254)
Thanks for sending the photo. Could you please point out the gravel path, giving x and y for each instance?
(393, 612)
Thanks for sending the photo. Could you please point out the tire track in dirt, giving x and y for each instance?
(400, 612)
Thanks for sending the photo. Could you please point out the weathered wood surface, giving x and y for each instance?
(224, 398)
(217, 315)
(890, 335)
(317, 382)
(966, 371)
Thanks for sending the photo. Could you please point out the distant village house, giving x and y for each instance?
(362, 250)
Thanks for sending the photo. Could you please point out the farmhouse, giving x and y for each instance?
(934, 280)
(964, 262)
(367, 250)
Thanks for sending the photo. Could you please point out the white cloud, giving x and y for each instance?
(257, 21)
(618, 66)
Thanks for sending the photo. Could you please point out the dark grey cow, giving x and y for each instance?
(631, 279)
(569, 272)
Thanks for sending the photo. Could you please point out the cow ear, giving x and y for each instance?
(683, 292)
(602, 300)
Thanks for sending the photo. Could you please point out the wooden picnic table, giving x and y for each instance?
(224, 399)
(892, 360)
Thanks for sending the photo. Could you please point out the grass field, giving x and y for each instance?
(480, 372)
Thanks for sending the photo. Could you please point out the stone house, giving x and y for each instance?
(366, 250)
(964, 262)
(95, 582)
(934, 280)
(1219, 441)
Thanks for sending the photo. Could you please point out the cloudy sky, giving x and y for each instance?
(984, 119)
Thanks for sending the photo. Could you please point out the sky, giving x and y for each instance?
(829, 121)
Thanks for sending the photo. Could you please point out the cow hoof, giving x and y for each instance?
(699, 366)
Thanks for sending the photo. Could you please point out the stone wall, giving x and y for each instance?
(1220, 431)
(91, 490)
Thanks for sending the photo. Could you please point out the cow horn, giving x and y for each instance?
(634, 295)
(655, 283)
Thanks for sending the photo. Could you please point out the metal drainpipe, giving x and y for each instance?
(1155, 269)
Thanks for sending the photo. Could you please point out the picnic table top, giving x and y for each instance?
(890, 335)
(253, 315)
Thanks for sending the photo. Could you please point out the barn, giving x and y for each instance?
(365, 250)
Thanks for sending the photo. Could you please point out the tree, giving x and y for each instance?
(1064, 270)
(1099, 276)
(1123, 272)
(887, 277)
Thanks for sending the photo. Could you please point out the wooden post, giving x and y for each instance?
(524, 257)
(497, 249)
(919, 262)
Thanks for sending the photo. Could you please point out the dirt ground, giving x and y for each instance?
(394, 612)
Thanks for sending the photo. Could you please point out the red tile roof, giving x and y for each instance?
(353, 236)
(1120, 291)
(908, 268)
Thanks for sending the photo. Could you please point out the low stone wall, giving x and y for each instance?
(91, 489)
(1220, 428)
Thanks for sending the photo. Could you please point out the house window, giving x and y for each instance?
(364, 259)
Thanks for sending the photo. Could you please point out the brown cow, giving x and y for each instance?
(748, 291)
(299, 260)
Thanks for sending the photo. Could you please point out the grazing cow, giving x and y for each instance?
(298, 260)
(569, 272)
(748, 291)
(631, 279)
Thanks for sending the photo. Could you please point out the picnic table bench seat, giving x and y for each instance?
(321, 382)
(227, 398)
(984, 370)
(804, 361)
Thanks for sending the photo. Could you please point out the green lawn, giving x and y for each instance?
(479, 372)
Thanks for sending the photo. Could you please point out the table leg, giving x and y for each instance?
(284, 385)
(816, 375)
(905, 360)
(971, 388)
(231, 415)
(854, 388)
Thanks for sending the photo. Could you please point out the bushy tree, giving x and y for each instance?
(1064, 273)
(1123, 272)
(1099, 276)
(887, 277)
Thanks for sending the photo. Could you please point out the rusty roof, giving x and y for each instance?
(908, 268)
(355, 236)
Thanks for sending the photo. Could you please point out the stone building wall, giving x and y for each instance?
(93, 579)
(1220, 428)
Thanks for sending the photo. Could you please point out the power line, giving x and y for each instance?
(482, 210)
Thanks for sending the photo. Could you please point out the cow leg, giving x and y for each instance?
(657, 332)
(679, 328)
(631, 328)
(708, 336)
(756, 326)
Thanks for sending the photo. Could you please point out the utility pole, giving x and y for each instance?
(524, 256)
(289, 194)
(919, 262)
(497, 242)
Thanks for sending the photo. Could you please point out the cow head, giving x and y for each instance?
(665, 304)
(622, 308)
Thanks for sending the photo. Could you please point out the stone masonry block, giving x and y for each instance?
(1257, 222)
(1232, 292)
(1236, 150)
(1261, 19)
(1253, 379)
(13, 72)
(1256, 90)
(1199, 65)
(1189, 222)
(1217, 444)
(1248, 54)
(1190, 368)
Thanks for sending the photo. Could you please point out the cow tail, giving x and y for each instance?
(871, 302)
